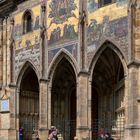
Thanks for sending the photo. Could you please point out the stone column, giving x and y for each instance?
(11, 53)
(133, 99)
(5, 43)
(43, 118)
(90, 108)
(82, 29)
(17, 95)
(132, 127)
(49, 105)
(1, 50)
(43, 42)
(12, 131)
(83, 131)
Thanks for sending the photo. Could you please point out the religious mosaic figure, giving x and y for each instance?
(92, 5)
(36, 23)
(61, 10)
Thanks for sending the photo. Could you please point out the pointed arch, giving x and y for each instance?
(26, 65)
(28, 95)
(63, 92)
(58, 57)
(108, 44)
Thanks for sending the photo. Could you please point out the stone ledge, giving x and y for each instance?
(43, 129)
(134, 63)
(132, 126)
(83, 128)
(44, 80)
(12, 85)
(83, 72)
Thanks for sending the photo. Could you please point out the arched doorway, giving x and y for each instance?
(63, 96)
(108, 98)
(29, 103)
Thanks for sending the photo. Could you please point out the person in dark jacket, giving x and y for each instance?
(21, 133)
(108, 136)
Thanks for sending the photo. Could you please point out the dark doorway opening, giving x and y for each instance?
(29, 104)
(63, 98)
(108, 98)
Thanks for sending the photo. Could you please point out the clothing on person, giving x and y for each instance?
(108, 136)
(52, 133)
(20, 134)
(101, 135)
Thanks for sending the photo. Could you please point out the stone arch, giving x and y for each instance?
(59, 56)
(28, 99)
(25, 66)
(108, 70)
(63, 92)
(113, 46)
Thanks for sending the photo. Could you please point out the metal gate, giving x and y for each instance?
(29, 113)
(67, 129)
(115, 128)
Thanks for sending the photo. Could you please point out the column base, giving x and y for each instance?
(8, 134)
(132, 132)
(4, 134)
(43, 133)
(83, 133)
(12, 134)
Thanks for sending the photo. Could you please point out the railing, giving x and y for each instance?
(29, 125)
(68, 129)
(115, 128)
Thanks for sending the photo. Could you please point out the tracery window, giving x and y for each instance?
(27, 22)
(105, 2)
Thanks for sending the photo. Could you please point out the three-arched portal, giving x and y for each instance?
(29, 103)
(108, 96)
(63, 96)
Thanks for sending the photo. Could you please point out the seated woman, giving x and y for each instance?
(53, 133)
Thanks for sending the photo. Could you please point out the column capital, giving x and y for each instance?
(132, 126)
(83, 72)
(43, 129)
(12, 85)
(134, 63)
(44, 80)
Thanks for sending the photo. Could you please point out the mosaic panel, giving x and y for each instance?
(110, 21)
(70, 48)
(62, 20)
(28, 53)
(27, 45)
(62, 26)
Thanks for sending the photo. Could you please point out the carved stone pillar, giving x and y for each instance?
(43, 115)
(43, 47)
(83, 131)
(82, 28)
(1, 50)
(17, 112)
(11, 52)
(133, 98)
(132, 128)
(49, 106)
(5, 51)
(12, 135)
(89, 102)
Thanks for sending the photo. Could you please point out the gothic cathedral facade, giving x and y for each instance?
(94, 44)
